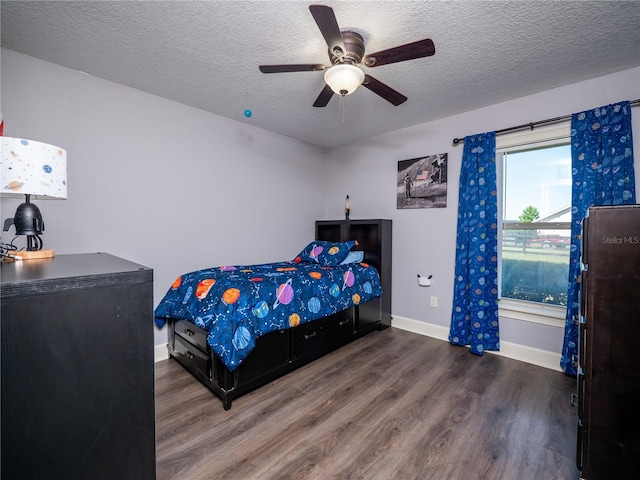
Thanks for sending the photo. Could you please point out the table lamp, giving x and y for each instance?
(31, 168)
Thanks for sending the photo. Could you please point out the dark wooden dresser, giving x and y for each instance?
(609, 347)
(77, 369)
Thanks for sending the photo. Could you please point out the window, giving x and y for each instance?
(535, 234)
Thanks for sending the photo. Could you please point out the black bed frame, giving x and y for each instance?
(279, 352)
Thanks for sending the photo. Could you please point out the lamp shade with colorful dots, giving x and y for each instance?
(32, 168)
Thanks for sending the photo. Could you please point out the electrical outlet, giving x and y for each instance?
(434, 301)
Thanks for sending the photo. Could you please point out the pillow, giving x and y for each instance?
(354, 256)
(325, 253)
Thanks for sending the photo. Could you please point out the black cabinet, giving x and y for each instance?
(609, 345)
(374, 238)
(77, 369)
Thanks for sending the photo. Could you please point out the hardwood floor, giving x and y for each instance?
(392, 405)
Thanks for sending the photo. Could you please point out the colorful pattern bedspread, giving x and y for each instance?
(238, 304)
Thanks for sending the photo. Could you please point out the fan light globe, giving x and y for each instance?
(344, 79)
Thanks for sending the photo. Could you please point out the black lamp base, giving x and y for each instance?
(28, 221)
(34, 243)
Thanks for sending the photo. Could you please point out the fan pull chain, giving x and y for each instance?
(342, 106)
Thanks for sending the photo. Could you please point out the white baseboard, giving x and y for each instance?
(160, 352)
(535, 356)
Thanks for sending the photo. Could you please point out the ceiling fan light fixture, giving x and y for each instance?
(344, 79)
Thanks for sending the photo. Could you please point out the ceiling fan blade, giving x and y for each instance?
(409, 51)
(302, 67)
(328, 25)
(386, 92)
(324, 97)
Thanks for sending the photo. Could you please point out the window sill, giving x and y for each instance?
(552, 315)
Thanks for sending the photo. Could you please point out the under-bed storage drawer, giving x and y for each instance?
(312, 336)
(194, 356)
(191, 334)
(340, 325)
(275, 351)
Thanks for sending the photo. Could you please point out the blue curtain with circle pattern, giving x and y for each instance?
(474, 319)
(602, 174)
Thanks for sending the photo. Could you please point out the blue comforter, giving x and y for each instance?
(238, 304)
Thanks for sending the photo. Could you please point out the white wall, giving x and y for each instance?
(424, 239)
(159, 183)
(175, 188)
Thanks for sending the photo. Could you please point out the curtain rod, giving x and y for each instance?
(550, 121)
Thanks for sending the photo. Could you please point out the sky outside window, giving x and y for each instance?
(541, 178)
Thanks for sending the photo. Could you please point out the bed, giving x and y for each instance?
(237, 327)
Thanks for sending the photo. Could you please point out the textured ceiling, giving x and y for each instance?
(206, 54)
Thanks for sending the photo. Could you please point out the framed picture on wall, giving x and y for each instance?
(422, 182)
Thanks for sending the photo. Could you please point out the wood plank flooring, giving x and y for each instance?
(392, 405)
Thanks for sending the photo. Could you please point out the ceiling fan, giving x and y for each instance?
(346, 52)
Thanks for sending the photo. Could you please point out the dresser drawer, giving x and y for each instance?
(192, 334)
(198, 359)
